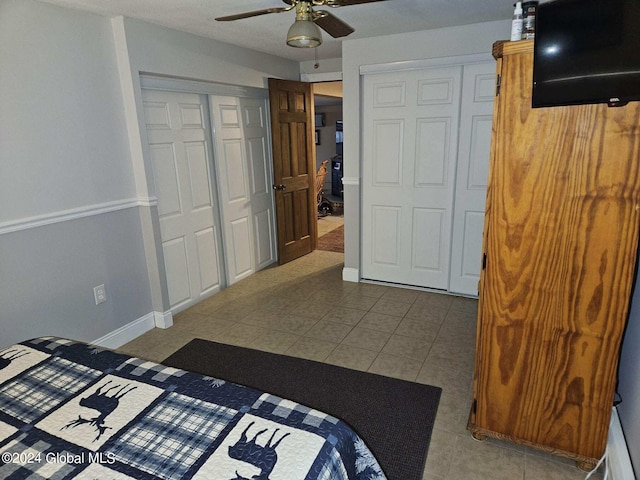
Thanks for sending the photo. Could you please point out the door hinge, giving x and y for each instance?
(498, 84)
(484, 261)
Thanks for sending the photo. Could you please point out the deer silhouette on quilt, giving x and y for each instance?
(102, 402)
(9, 356)
(264, 458)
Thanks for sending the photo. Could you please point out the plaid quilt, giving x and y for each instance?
(73, 410)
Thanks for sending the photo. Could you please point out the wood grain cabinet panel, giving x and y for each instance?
(560, 246)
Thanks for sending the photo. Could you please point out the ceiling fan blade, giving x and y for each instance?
(332, 24)
(344, 3)
(337, 3)
(255, 13)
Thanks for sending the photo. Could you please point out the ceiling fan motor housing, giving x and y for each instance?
(304, 33)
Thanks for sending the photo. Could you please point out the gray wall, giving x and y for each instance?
(76, 194)
(63, 139)
(629, 381)
(64, 154)
(48, 275)
(162, 51)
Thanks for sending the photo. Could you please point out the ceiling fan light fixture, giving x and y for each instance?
(304, 34)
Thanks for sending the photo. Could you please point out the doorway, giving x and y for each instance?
(329, 140)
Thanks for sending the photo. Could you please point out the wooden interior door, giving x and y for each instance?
(293, 143)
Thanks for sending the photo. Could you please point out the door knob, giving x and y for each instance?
(279, 187)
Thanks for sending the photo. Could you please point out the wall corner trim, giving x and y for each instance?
(352, 181)
(350, 274)
(321, 77)
(163, 319)
(618, 458)
(426, 63)
(75, 213)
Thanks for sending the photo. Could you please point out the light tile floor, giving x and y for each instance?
(304, 309)
(328, 223)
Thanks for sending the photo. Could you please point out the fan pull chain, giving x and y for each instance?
(316, 65)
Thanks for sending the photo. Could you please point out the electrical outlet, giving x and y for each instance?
(99, 294)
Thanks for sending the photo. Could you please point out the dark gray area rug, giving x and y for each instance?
(394, 417)
(332, 241)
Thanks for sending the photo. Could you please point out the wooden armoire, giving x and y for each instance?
(560, 244)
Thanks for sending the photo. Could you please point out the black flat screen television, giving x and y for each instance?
(586, 51)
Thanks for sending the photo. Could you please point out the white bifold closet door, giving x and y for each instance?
(409, 160)
(211, 163)
(177, 132)
(476, 114)
(425, 151)
(242, 152)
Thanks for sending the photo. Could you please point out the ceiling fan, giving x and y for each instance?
(304, 33)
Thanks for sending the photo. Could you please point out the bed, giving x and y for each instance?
(74, 410)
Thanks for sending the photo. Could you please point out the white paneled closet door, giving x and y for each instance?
(427, 135)
(180, 155)
(478, 93)
(241, 141)
(410, 141)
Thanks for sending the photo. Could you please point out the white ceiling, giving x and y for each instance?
(266, 33)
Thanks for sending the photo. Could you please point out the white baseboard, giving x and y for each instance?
(618, 459)
(127, 332)
(350, 274)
